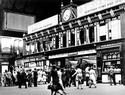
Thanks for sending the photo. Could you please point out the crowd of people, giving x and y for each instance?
(61, 77)
(21, 77)
(67, 77)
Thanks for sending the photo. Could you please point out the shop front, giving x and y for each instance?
(71, 60)
(109, 55)
(32, 62)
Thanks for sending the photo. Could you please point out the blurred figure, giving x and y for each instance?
(55, 82)
(63, 77)
(112, 75)
(5, 78)
(79, 77)
(14, 77)
(40, 76)
(35, 77)
(9, 78)
(68, 77)
(92, 76)
(73, 78)
(87, 75)
(44, 77)
(29, 77)
(19, 79)
(23, 78)
(60, 79)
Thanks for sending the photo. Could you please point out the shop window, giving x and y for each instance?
(116, 65)
(44, 45)
(41, 46)
(33, 47)
(82, 35)
(64, 39)
(26, 65)
(39, 64)
(103, 31)
(91, 34)
(57, 41)
(27, 48)
(50, 43)
(38, 46)
(72, 37)
(103, 38)
(110, 34)
(115, 28)
(111, 59)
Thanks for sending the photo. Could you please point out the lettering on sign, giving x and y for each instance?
(73, 54)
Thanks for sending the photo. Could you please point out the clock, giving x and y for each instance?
(66, 14)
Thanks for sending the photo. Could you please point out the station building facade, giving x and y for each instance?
(83, 34)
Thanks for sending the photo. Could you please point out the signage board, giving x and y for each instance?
(44, 24)
(96, 6)
(17, 22)
(73, 54)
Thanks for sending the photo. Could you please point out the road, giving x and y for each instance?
(102, 89)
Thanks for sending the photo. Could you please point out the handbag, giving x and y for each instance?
(52, 87)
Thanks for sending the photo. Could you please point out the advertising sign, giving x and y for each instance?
(97, 5)
(44, 24)
(17, 22)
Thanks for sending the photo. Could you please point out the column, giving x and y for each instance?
(122, 18)
(98, 31)
(54, 41)
(95, 32)
(67, 38)
(87, 36)
(76, 37)
(59, 40)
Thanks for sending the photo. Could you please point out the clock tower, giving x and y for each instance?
(68, 12)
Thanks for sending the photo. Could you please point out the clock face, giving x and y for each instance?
(66, 14)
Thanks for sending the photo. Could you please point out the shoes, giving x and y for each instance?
(64, 93)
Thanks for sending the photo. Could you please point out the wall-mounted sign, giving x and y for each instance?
(44, 24)
(97, 5)
(32, 64)
(109, 45)
(73, 54)
(17, 22)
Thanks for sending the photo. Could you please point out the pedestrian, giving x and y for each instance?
(23, 77)
(18, 79)
(55, 82)
(35, 77)
(87, 75)
(92, 76)
(79, 77)
(5, 78)
(73, 78)
(59, 72)
(68, 77)
(29, 78)
(111, 74)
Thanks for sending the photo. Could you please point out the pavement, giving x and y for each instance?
(102, 89)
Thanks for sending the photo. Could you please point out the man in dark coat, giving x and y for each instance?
(35, 76)
(24, 78)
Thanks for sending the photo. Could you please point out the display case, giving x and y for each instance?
(111, 59)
